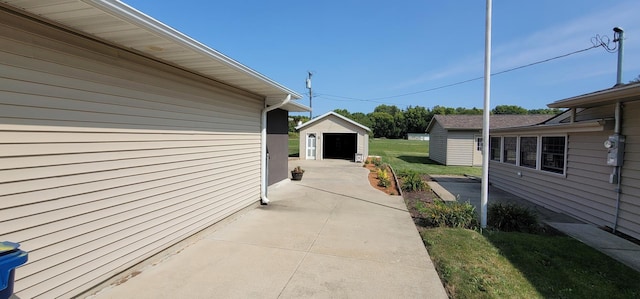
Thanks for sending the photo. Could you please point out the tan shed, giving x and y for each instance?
(119, 137)
(457, 139)
(333, 136)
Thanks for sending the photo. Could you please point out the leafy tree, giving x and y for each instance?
(441, 110)
(545, 111)
(399, 129)
(417, 118)
(293, 123)
(391, 110)
(343, 112)
(467, 111)
(509, 109)
(382, 124)
(361, 118)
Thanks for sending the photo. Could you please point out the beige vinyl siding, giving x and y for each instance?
(460, 148)
(585, 191)
(438, 144)
(629, 217)
(107, 158)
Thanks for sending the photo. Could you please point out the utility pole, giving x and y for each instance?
(310, 94)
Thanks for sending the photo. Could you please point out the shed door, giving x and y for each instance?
(106, 162)
(477, 150)
(311, 146)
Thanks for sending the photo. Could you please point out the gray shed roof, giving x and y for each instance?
(121, 25)
(474, 122)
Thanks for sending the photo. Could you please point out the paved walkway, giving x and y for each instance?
(330, 235)
(468, 189)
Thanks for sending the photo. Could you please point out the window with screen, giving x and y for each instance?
(494, 144)
(528, 151)
(553, 153)
(509, 150)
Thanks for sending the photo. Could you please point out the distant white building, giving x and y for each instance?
(418, 136)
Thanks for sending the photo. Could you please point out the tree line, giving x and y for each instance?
(389, 121)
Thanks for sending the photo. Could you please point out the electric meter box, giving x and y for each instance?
(615, 150)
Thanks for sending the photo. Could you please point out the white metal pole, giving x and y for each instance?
(485, 120)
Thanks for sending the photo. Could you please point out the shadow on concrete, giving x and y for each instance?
(352, 197)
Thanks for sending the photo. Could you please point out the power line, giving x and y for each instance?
(597, 43)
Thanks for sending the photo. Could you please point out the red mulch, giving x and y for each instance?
(373, 180)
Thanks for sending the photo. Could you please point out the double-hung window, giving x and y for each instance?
(528, 152)
(552, 158)
(495, 148)
(509, 150)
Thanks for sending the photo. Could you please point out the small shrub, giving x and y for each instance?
(377, 161)
(510, 217)
(411, 181)
(383, 178)
(453, 214)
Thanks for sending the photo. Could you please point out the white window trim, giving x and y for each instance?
(538, 148)
(538, 153)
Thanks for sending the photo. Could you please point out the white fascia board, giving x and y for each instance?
(134, 16)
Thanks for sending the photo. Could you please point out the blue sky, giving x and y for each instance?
(367, 53)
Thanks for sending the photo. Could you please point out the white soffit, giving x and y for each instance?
(122, 25)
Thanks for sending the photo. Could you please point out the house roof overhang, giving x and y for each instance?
(559, 128)
(321, 117)
(622, 93)
(122, 26)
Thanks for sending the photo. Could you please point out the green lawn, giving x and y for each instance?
(406, 155)
(519, 265)
(294, 146)
(506, 265)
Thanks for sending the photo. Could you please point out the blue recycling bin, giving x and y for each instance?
(10, 258)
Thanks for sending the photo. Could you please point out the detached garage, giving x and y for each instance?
(119, 138)
(333, 136)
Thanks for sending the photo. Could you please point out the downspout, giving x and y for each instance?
(263, 147)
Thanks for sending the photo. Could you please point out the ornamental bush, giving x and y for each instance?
(411, 181)
(511, 217)
(383, 178)
(453, 214)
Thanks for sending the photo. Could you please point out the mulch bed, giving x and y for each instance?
(411, 198)
(373, 180)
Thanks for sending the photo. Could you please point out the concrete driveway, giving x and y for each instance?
(330, 235)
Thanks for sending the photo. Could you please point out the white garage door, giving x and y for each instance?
(106, 160)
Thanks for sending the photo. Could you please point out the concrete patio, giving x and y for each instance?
(330, 235)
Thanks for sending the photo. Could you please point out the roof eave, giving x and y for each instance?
(583, 126)
(334, 114)
(599, 98)
(141, 19)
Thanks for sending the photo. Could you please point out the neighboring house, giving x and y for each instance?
(333, 136)
(418, 136)
(121, 137)
(564, 164)
(457, 139)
